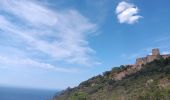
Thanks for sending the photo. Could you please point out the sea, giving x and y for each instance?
(10, 93)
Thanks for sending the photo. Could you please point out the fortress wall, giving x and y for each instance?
(166, 56)
(140, 61)
(151, 58)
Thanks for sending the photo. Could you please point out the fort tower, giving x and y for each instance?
(155, 52)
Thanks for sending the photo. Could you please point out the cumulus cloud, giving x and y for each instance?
(127, 13)
(59, 35)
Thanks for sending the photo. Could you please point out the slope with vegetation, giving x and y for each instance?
(151, 82)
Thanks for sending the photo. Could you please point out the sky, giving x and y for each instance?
(55, 44)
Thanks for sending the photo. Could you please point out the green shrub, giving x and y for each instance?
(79, 96)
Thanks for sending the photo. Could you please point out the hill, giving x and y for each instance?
(150, 81)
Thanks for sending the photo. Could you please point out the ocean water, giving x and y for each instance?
(7, 93)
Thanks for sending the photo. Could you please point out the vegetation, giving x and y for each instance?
(152, 82)
(79, 96)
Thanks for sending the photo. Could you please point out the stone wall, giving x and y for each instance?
(149, 58)
(138, 65)
(166, 56)
(140, 61)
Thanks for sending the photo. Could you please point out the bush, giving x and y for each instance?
(167, 69)
(79, 96)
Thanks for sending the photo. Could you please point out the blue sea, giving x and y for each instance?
(25, 94)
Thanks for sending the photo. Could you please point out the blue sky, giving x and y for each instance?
(54, 44)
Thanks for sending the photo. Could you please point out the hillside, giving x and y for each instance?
(151, 82)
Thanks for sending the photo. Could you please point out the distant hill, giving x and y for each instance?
(151, 82)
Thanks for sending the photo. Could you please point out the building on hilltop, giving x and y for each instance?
(149, 58)
(139, 62)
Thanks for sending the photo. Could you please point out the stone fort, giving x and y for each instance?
(139, 63)
(149, 58)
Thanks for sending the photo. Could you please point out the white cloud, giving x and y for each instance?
(62, 35)
(35, 14)
(127, 13)
(29, 63)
